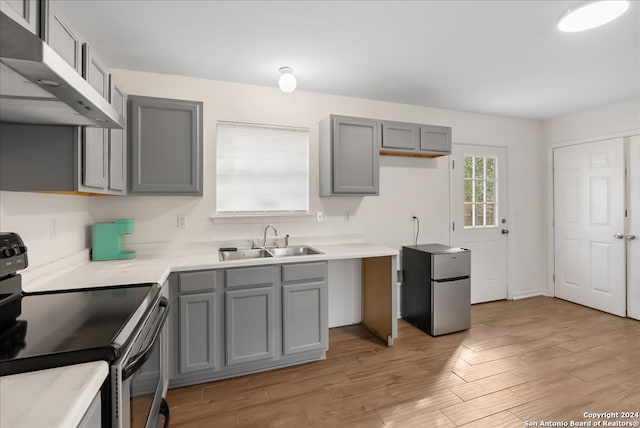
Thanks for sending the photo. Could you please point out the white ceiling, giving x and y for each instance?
(497, 57)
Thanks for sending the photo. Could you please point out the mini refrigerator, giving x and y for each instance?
(436, 288)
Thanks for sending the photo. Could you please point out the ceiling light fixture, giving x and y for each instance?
(287, 81)
(591, 14)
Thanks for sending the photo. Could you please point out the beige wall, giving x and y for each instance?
(419, 186)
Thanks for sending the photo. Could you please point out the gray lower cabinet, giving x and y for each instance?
(24, 12)
(305, 324)
(194, 318)
(230, 322)
(249, 325)
(349, 156)
(165, 138)
(198, 338)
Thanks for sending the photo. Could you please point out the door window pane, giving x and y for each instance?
(468, 190)
(468, 215)
(491, 189)
(480, 192)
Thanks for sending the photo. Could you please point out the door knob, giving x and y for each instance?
(630, 237)
(619, 235)
(505, 231)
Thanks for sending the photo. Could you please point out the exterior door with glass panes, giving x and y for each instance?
(479, 211)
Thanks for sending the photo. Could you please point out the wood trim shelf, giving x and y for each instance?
(411, 154)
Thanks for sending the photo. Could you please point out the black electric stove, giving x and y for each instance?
(71, 327)
(45, 330)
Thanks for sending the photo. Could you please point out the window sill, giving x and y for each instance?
(260, 217)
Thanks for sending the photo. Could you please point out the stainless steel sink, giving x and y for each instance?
(261, 253)
(258, 253)
(296, 250)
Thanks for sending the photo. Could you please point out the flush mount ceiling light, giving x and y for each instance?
(287, 81)
(591, 14)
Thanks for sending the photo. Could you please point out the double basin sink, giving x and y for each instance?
(261, 253)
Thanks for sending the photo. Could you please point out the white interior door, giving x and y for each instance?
(479, 210)
(589, 225)
(633, 228)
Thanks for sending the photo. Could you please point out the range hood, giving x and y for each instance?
(38, 86)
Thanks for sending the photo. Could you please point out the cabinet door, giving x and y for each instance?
(94, 157)
(94, 71)
(118, 142)
(24, 12)
(304, 317)
(355, 155)
(62, 38)
(249, 326)
(166, 146)
(435, 138)
(198, 341)
(398, 135)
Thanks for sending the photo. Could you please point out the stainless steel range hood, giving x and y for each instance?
(38, 86)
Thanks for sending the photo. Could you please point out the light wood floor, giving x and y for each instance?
(537, 359)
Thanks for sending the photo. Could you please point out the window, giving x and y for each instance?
(261, 169)
(480, 189)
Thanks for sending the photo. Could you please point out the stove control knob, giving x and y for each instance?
(8, 252)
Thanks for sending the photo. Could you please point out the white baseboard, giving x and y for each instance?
(530, 293)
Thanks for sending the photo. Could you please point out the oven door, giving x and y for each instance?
(138, 376)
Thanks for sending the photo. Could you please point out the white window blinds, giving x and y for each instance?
(261, 169)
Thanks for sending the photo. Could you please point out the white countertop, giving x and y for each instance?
(154, 263)
(50, 398)
(60, 397)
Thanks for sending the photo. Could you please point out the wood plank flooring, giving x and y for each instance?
(537, 359)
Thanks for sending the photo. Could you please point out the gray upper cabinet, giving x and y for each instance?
(94, 71)
(435, 138)
(165, 139)
(412, 139)
(24, 12)
(349, 156)
(399, 135)
(118, 142)
(62, 38)
(94, 158)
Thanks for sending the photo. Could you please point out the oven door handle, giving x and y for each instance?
(141, 357)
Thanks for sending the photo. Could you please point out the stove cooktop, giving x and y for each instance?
(71, 327)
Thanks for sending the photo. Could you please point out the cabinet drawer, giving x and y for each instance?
(304, 271)
(259, 275)
(192, 282)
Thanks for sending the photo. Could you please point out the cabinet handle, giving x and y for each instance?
(630, 237)
(619, 235)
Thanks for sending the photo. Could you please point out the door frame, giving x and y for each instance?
(551, 244)
(510, 295)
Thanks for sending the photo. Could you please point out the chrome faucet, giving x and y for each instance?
(265, 233)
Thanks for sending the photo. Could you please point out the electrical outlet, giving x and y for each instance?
(412, 215)
(182, 221)
(347, 217)
(53, 228)
(321, 217)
